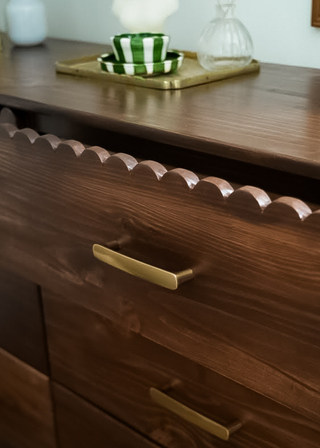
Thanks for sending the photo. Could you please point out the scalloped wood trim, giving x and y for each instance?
(7, 130)
(7, 116)
(247, 200)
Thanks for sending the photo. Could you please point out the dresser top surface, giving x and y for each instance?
(270, 119)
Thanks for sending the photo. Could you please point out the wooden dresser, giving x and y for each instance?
(160, 259)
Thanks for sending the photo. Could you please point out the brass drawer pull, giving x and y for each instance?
(222, 432)
(169, 280)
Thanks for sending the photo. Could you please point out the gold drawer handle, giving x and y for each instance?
(222, 432)
(169, 280)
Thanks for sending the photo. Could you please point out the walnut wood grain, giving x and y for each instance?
(81, 425)
(21, 323)
(26, 417)
(266, 120)
(116, 369)
(254, 301)
(315, 19)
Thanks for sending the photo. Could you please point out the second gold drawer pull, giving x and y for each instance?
(169, 280)
(222, 432)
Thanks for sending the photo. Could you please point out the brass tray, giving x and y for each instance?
(190, 74)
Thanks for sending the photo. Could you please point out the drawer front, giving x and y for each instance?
(21, 323)
(116, 369)
(81, 425)
(26, 417)
(254, 300)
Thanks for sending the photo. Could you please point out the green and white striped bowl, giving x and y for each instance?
(140, 48)
(172, 63)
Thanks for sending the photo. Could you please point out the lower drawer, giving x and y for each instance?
(81, 425)
(116, 370)
(26, 417)
(21, 325)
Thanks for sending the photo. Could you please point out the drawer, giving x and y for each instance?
(254, 300)
(26, 417)
(21, 323)
(116, 369)
(81, 425)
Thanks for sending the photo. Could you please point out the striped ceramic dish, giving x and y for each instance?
(140, 48)
(172, 63)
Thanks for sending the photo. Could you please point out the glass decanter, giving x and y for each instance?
(225, 42)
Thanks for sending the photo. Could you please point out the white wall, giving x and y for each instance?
(280, 29)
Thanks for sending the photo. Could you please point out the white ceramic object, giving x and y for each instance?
(140, 16)
(26, 21)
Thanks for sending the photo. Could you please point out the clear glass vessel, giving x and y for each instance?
(225, 42)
